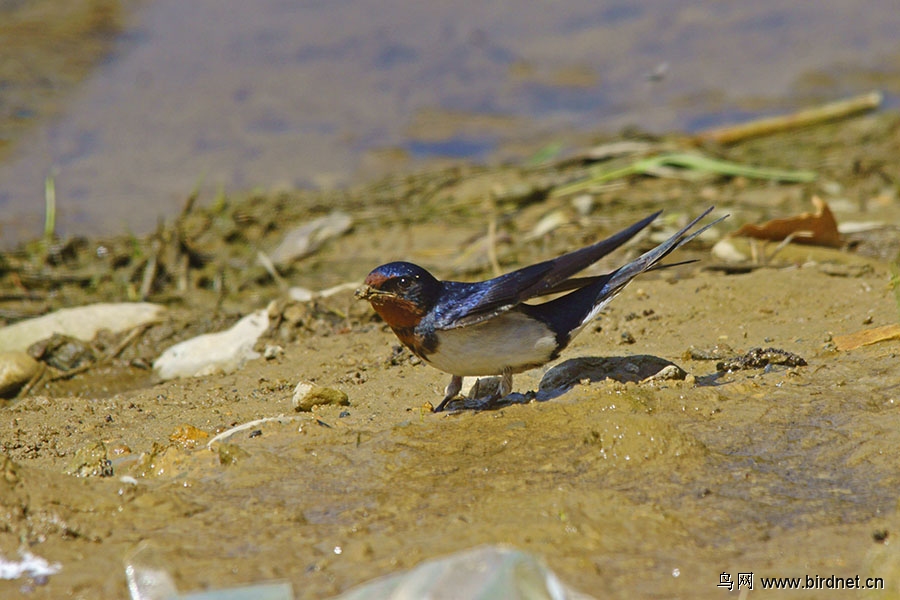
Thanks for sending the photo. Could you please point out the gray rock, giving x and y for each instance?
(62, 352)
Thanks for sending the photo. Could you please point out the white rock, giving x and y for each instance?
(726, 251)
(224, 352)
(82, 322)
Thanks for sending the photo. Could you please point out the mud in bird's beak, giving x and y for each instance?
(366, 292)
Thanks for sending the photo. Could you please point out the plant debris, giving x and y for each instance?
(852, 341)
(758, 358)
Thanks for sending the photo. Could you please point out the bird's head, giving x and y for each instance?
(401, 292)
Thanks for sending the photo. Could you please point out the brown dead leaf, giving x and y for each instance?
(851, 341)
(819, 229)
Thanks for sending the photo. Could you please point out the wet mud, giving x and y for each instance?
(625, 486)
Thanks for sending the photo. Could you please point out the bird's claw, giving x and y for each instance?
(485, 391)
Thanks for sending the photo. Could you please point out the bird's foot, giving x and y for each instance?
(484, 391)
(450, 393)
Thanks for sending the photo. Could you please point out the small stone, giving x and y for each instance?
(16, 369)
(727, 251)
(62, 352)
(668, 373)
(583, 204)
(307, 395)
(272, 351)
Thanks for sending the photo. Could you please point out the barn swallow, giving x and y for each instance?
(487, 328)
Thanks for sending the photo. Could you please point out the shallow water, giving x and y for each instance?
(226, 94)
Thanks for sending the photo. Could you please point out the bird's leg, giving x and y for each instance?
(502, 390)
(452, 390)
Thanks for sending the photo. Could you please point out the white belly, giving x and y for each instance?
(510, 340)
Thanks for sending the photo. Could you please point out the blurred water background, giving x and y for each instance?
(231, 95)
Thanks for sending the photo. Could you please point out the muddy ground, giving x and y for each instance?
(625, 489)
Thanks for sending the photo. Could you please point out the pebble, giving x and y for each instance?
(668, 373)
(583, 204)
(273, 351)
(62, 352)
(308, 395)
(16, 369)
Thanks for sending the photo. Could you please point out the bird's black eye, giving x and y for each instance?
(399, 285)
(403, 284)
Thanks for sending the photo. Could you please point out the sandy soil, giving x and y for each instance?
(625, 489)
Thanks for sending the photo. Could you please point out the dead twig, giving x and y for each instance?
(73, 372)
(492, 236)
(127, 340)
(150, 272)
(26, 389)
(811, 116)
(269, 266)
